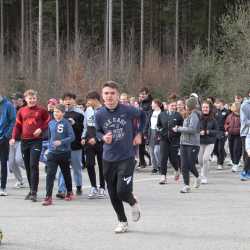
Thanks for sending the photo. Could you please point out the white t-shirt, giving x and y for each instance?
(154, 118)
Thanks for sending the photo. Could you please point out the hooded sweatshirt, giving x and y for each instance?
(7, 118)
(245, 118)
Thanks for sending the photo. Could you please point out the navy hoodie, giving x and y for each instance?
(120, 122)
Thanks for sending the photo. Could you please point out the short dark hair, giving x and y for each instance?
(68, 95)
(144, 89)
(60, 107)
(111, 84)
(93, 95)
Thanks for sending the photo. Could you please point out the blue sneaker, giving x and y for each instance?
(244, 176)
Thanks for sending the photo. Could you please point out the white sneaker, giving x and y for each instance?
(93, 193)
(3, 192)
(197, 182)
(101, 193)
(204, 180)
(19, 185)
(136, 212)
(185, 189)
(219, 167)
(122, 227)
(235, 168)
(163, 180)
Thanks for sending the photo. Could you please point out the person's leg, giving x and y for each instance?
(35, 152)
(64, 163)
(90, 164)
(207, 153)
(25, 146)
(157, 154)
(110, 174)
(18, 162)
(61, 183)
(184, 164)
(76, 163)
(164, 152)
(237, 149)
(125, 181)
(193, 152)
(231, 147)
(4, 153)
(201, 159)
(52, 165)
(100, 166)
(152, 155)
(174, 158)
(142, 150)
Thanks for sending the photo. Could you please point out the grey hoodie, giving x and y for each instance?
(190, 131)
(245, 117)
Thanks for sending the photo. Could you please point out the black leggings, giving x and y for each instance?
(91, 152)
(170, 152)
(4, 154)
(53, 161)
(119, 178)
(235, 148)
(189, 156)
(31, 150)
(219, 150)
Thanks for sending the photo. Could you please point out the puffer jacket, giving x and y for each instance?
(232, 124)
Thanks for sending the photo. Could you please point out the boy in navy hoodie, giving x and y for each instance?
(61, 135)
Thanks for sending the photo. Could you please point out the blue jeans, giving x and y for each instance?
(76, 163)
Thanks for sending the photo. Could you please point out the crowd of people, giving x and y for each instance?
(118, 132)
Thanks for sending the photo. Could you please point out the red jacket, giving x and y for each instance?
(28, 120)
(232, 124)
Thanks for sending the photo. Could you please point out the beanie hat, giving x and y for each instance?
(191, 103)
(53, 101)
(60, 107)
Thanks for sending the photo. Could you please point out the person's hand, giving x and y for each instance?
(202, 132)
(12, 142)
(175, 129)
(137, 140)
(83, 141)
(226, 133)
(92, 141)
(57, 143)
(72, 121)
(107, 138)
(37, 132)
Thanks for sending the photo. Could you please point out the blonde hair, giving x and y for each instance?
(30, 92)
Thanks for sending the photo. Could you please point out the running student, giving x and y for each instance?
(114, 125)
(32, 120)
(61, 135)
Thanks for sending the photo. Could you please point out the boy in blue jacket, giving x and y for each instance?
(61, 135)
(7, 122)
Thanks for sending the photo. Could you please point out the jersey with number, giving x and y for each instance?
(60, 131)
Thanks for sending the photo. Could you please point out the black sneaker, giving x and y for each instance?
(79, 190)
(27, 197)
(33, 197)
(154, 171)
(60, 195)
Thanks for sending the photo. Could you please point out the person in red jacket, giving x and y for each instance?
(232, 128)
(31, 121)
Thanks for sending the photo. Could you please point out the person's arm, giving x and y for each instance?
(192, 127)
(11, 112)
(46, 119)
(70, 134)
(98, 126)
(214, 131)
(17, 130)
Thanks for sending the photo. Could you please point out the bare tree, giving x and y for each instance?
(67, 17)
(142, 37)
(57, 41)
(107, 40)
(176, 39)
(30, 37)
(22, 38)
(122, 36)
(76, 27)
(110, 37)
(40, 36)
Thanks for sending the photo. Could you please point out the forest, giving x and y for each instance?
(168, 45)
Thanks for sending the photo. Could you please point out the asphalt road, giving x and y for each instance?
(213, 217)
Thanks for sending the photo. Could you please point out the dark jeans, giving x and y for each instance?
(235, 148)
(31, 150)
(142, 153)
(189, 156)
(169, 152)
(246, 158)
(4, 155)
(91, 152)
(219, 150)
(53, 161)
(119, 178)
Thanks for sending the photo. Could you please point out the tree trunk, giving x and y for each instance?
(57, 42)
(1, 40)
(142, 38)
(76, 27)
(176, 39)
(110, 38)
(107, 39)
(22, 39)
(122, 36)
(209, 27)
(40, 38)
(30, 38)
(67, 14)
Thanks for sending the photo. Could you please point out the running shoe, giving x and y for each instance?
(122, 227)
(219, 167)
(101, 193)
(197, 182)
(47, 201)
(3, 192)
(163, 180)
(69, 196)
(93, 193)
(27, 197)
(33, 197)
(185, 189)
(60, 195)
(135, 212)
